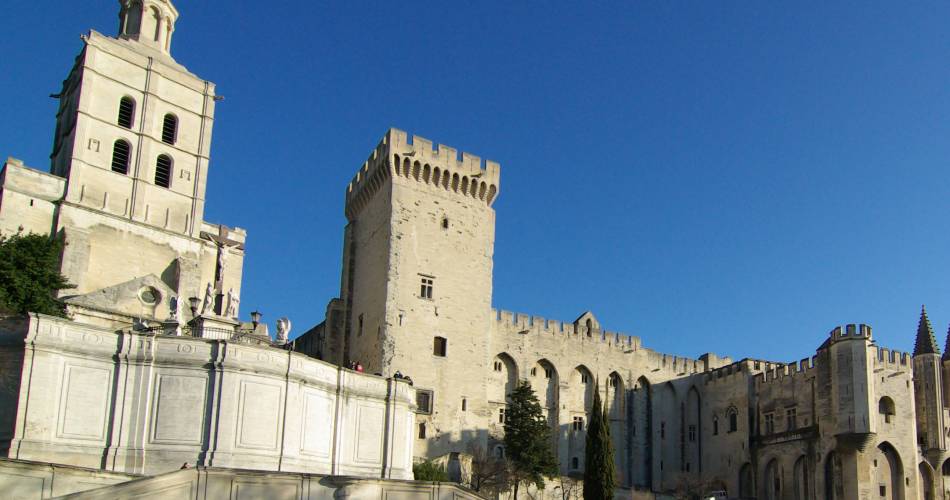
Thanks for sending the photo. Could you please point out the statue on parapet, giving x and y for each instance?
(208, 304)
(283, 330)
(233, 301)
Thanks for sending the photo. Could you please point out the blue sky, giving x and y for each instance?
(735, 177)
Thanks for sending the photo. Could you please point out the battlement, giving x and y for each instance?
(414, 158)
(889, 358)
(739, 369)
(526, 324)
(523, 324)
(787, 372)
(850, 332)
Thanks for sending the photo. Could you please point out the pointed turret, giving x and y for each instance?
(926, 343)
(946, 346)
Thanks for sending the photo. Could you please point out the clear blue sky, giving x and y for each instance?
(736, 177)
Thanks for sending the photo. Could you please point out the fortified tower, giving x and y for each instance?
(128, 169)
(417, 279)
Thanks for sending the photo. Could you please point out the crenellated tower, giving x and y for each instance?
(928, 388)
(417, 277)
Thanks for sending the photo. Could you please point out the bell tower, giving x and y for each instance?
(130, 164)
(150, 22)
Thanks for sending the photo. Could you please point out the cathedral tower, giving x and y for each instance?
(129, 170)
(417, 277)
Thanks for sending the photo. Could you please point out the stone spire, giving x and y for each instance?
(925, 343)
(149, 22)
(946, 346)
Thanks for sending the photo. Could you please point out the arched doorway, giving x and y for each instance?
(926, 481)
(772, 481)
(804, 484)
(888, 473)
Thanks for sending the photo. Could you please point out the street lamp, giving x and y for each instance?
(256, 318)
(193, 304)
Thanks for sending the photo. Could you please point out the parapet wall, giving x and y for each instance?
(399, 156)
(144, 404)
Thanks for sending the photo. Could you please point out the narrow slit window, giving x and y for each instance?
(126, 112)
(440, 346)
(121, 151)
(422, 430)
(163, 171)
(169, 129)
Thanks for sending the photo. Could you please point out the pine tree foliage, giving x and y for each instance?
(599, 468)
(29, 275)
(528, 439)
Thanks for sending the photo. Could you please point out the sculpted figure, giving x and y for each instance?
(233, 301)
(283, 330)
(209, 300)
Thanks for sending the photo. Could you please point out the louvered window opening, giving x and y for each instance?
(120, 157)
(126, 111)
(169, 129)
(163, 171)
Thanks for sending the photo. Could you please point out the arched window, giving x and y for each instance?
(126, 112)
(886, 407)
(163, 171)
(121, 151)
(169, 129)
(733, 419)
(133, 20)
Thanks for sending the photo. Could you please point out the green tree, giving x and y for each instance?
(429, 471)
(528, 439)
(599, 469)
(29, 275)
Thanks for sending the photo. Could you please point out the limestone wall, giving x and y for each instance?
(214, 483)
(20, 479)
(139, 403)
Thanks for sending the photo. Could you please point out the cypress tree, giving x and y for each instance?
(599, 468)
(528, 439)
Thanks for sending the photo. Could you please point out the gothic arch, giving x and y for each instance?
(834, 486)
(803, 486)
(544, 379)
(666, 434)
(889, 471)
(505, 377)
(436, 176)
(582, 388)
(615, 396)
(426, 173)
(642, 431)
(694, 433)
(926, 481)
(772, 481)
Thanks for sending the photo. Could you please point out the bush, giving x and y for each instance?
(29, 275)
(429, 471)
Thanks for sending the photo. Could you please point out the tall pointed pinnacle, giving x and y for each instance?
(946, 347)
(925, 343)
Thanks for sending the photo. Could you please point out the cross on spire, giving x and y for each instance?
(925, 343)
